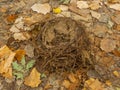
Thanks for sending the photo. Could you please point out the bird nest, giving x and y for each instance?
(62, 44)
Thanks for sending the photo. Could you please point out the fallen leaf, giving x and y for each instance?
(11, 18)
(100, 30)
(57, 10)
(113, 1)
(47, 86)
(82, 4)
(64, 14)
(18, 25)
(108, 45)
(116, 53)
(95, 14)
(5, 64)
(66, 84)
(30, 20)
(72, 78)
(108, 83)
(104, 18)
(116, 73)
(33, 80)
(117, 27)
(116, 17)
(94, 84)
(41, 8)
(19, 54)
(21, 36)
(63, 7)
(107, 61)
(3, 9)
(115, 6)
(78, 17)
(94, 5)
(4, 51)
(29, 50)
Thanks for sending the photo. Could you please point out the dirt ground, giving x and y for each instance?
(70, 44)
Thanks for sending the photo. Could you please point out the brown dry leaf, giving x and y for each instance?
(5, 64)
(30, 20)
(33, 80)
(94, 84)
(100, 30)
(41, 8)
(95, 14)
(19, 54)
(107, 61)
(3, 9)
(113, 1)
(66, 84)
(115, 6)
(117, 27)
(47, 86)
(82, 4)
(94, 5)
(116, 17)
(116, 53)
(29, 50)
(74, 80)
(21, 36)
(108, 45)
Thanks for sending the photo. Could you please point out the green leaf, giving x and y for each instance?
(23, 61)
(43, 75)
(18, 75)
(17, 66)
(30, 64)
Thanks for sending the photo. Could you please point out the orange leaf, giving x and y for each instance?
(11, 18)
(19, 54)
(33, 80)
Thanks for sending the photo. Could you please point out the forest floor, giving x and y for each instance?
(60, 45)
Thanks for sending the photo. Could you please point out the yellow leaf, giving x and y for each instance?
(66, 84)
(5, 65)
(72, 78)
(116, 73)
(108, 83)
(94, 84)
(33, 80)
(4, 51)
(19, 54)
(57, 10)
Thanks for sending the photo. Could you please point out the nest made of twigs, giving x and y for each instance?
(63, 44)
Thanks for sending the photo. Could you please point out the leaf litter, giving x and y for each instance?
(53, 45)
